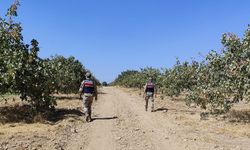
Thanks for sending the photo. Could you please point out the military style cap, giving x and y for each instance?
(88, 75)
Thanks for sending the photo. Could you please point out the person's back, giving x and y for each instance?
(149, 92)
(88, 90)
(88, 87)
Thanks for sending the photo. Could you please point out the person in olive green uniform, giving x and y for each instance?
(149, 94)
(88, 90)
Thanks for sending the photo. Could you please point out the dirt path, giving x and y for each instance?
(121, 123)
(100, 135)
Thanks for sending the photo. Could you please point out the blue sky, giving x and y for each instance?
(110, 36)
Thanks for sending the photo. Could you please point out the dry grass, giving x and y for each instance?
(19, 112)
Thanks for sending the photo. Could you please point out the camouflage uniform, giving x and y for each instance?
(149, 91)
(89, 91)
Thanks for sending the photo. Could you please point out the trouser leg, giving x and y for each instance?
(85, 105)
(146, 103)
(152, 103)
(90, 107)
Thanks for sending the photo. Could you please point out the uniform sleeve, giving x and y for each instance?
(95, 91)
(81, 87)
(145, 87)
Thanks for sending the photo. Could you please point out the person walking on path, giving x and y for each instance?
(149, 93)
(88, 90)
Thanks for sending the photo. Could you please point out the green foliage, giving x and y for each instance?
(225, 78)
(32, 80)
(13, 52)
(180, 78)
(67, 74)
(215, 83)
(23, 72)
(137, 79)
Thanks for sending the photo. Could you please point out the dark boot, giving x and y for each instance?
(152, 109)
(88, 119)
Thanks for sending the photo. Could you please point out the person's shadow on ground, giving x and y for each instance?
(161, 109)
(104, 118)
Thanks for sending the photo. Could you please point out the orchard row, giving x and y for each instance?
(221, 79)
(24, 73)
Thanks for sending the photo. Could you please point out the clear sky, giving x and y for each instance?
(110, 36)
